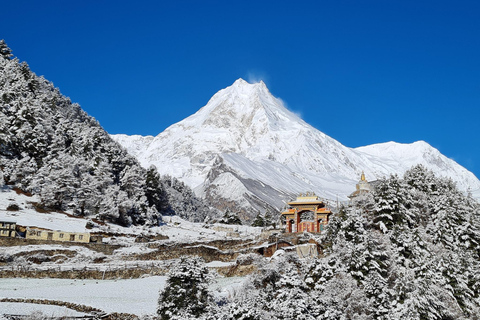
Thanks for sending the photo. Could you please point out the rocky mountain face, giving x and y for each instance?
(50, 147)
(244, 150)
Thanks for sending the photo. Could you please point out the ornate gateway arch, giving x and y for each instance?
(306, 213)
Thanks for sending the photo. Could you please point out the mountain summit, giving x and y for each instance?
(245, 149)
(238, 117)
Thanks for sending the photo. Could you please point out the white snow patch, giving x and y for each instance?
(17, 308)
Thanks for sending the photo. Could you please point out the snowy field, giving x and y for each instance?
(137, 296)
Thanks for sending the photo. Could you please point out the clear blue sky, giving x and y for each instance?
(362, 72)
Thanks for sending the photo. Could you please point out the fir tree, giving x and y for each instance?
(155, 193)
(230, 218)
(5, 50)
(259, 221)
(186, 291)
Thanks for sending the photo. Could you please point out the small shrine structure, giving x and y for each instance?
(306, 213)
(363, 187)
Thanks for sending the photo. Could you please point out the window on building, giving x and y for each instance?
(39, 233)
(60, 235)
(72, 237)
(80, 237)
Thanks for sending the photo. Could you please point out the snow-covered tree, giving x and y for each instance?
(259, 221)
(186, 293)
(5, 51)
(230, 217)
(183, 201)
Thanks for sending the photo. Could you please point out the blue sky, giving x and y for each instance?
(362, 72)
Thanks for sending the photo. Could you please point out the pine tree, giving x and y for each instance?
(156, 195)
(183, 201)
(271, 218)
(186, 291)
(230, 218)
(5, 50)
(387, 209)
(258, 221)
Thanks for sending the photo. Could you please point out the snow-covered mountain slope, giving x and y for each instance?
(403, 156)
(244, 148)
(135, 143)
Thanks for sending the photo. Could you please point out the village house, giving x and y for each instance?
(7, 228)
(56, 235)
(306, 213)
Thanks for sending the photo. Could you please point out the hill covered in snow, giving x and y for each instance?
(245, 149)
(51, 148)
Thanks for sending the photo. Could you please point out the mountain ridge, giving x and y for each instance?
(258, 139)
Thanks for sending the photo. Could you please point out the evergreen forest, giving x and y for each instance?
(407, 250)
(51, 148)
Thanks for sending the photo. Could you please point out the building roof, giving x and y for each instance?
(296, 202)
(307, 199)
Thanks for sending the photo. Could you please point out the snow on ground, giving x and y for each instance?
(29, 248)
(29, 308)
(28, 216)
(137, 296)
(227, 287)
(176, 228)
(182, 231)
(133, 249)
(219, 264)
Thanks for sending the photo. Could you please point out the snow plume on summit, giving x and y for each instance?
(255, 76)
(245, 149)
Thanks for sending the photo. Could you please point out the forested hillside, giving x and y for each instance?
(408, 250)
(49, 146)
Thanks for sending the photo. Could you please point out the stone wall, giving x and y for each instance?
(208, 253)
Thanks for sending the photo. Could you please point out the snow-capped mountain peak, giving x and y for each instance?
(241, 106)
(245, 147)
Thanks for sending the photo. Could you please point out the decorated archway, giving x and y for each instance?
(306, 213)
